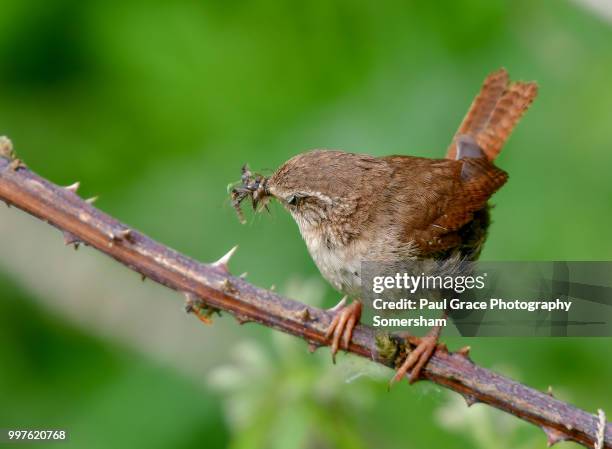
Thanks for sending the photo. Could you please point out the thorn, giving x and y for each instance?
(73, 187)
(143, 277)
(470, 399)
(465, 352)
(601, 429)
(243, 275)
(190, 298)
(312, 347)
(223, 262)
(91, 200)
(6, 147)
(304, 315)
(227, 286)
(70, 239)
(7, 203)
(124, 234)
(273, 288)
(553, 436)
(16, 164)
(549, 391)
(242, 319)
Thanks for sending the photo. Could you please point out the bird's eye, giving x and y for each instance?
(292, 200)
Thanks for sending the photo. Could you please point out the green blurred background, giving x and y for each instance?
(155, 106)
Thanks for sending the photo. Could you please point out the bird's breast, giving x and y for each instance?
(339, 264)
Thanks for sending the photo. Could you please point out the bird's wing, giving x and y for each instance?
(436, 198)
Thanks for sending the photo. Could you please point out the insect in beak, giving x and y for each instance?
(252, 186)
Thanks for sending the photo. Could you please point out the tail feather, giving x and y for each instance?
(508, 111)
(494, 113)
(481, 108)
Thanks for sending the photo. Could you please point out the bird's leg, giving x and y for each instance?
(419, 356)
(341, 328)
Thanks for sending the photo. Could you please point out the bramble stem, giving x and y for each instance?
(82, 223)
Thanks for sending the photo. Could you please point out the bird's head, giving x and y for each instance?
(315, 187)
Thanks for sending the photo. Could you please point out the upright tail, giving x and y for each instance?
(494, 113)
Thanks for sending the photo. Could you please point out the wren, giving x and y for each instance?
(354, 207)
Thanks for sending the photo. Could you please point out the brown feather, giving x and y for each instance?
(481, 108)
(435, 203)
(354, 207)
(509, 110)
(494, 113)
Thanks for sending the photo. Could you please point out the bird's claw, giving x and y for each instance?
(341, 328)
(417, 358)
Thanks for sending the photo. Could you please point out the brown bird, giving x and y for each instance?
(354, 207)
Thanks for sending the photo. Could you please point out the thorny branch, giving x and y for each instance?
(211, 287)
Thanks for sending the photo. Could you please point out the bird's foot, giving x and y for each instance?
(340, 330)
(418, 357)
